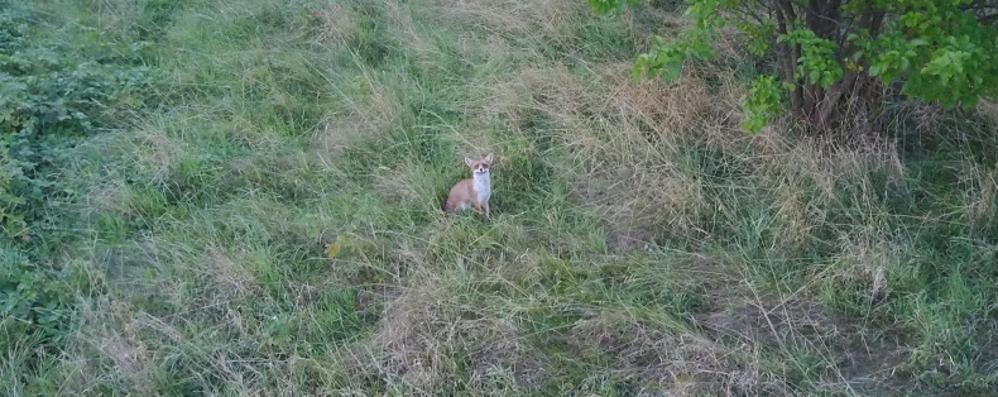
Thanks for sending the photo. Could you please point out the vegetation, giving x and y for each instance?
(841, 59)
(242, 198)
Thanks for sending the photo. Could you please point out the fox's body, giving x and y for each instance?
(473, 192)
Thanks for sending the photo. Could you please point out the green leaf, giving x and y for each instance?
(763, 103)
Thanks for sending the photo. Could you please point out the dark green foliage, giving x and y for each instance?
(52, 94)
(36, 302)
(30, 302)
(829, 54)
(60, 84)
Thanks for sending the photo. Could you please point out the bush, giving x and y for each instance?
(32, 303)
(830, 55)
(60, 82)
(52, 93)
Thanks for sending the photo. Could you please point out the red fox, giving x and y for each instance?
(473, 192)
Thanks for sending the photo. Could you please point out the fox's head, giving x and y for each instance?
(480, 167)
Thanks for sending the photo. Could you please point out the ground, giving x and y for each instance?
(263, 216)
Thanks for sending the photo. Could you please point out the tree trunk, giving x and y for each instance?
(831, 101)
(810, 102)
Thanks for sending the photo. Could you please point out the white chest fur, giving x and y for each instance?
(483, 187)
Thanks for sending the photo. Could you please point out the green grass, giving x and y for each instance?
(267, 220)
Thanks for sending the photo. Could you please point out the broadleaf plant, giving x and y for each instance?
(830, 52)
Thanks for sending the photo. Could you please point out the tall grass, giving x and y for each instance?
(270, 225)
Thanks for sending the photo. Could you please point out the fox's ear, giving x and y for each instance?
(490, 158)
(468, 161)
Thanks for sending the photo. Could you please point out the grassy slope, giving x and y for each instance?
(641, 242)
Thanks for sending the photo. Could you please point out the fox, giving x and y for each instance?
(473, 192)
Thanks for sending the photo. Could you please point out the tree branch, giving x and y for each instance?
(788, 61)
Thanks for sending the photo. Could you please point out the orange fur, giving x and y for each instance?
(473, 192)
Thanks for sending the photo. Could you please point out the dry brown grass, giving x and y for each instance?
(422, 328)
(867, 257)
(397, 185)
(554, 91)
(367, 118)
(638, 185)
(855, 362)
(403, 28)
(988, 109)
(927, 117)
(109, 332)
(640, 200)
(513, 17)
(411, 334)
(982, 210)
(111, 196)
(154, 152)
(624, 137)
(670, 110)
(229, 279)
(806, 176)
(336, 23)
(671, 363)
(116, 15)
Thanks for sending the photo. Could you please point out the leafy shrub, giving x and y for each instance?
(830, 53)
(31, 302)
(57, 86)
(51, 94)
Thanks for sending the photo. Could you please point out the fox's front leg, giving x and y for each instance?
(478, 208)
(485, 206)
